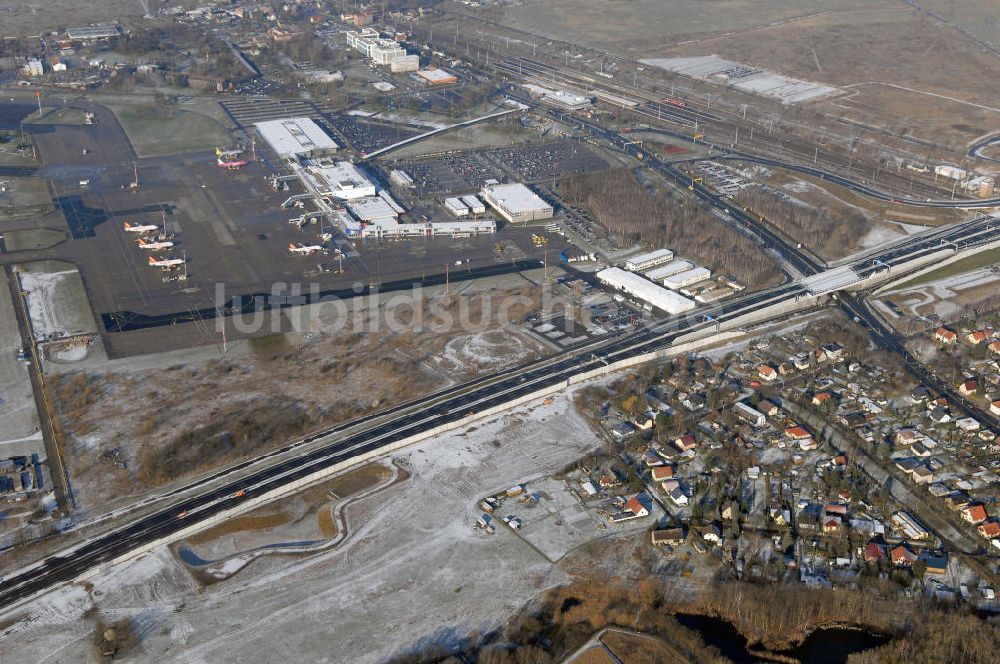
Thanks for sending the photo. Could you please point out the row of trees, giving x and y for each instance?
(627, 209)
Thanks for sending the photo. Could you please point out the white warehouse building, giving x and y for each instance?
(516, 203)
(673, 267)
(692, 276)
(643, 289)
(456, 206)
(475, 205)
(649, 259)
(296, 138)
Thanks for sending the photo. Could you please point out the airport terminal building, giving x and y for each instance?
(296, 138)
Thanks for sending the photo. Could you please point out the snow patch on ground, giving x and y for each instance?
(42, 288)
(888, 231)
(414, 568)
(72, 354)
(485, 349)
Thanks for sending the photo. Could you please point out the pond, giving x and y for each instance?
(829, 645)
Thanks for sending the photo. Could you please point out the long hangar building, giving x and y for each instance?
(516, 203)
(296, 138)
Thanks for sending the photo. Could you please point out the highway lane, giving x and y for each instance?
(977, 148)
(69, 565)
(502, 389)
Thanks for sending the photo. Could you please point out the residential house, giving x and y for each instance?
(836, 509)
(685, 442)
(919, 395)
(977, 337)
(902, 556)
(969, 387)
(995, 347)
(958, 500)
(767, 373)
(622, 430)
(853, 420)
(834, 352)
(712, 534)
(668, 537)
(974, 513)
(995, 407)
(831, 524)
(989, 529)
(873, 552)
(678, 497)
(797, 433)
(610, 479)
(807, 444)
(945, 336)
(661, 473)
(768, 408)
(939, 415)
(820, 399)
(674, 491)
(786, 368)
(967, 424)
(922, 475)
(634, 509)
(652, 458)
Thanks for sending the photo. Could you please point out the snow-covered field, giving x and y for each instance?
(412, 568)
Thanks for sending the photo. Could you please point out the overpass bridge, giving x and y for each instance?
(434, 132)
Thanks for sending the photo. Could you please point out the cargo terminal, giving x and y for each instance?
(516, 203)
(645, 290)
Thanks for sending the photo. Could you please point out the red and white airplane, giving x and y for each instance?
(304, 249)
(230, 163)
(154, 246)
(129, 228)
(165, 262)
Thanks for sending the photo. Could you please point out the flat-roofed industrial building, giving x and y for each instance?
(296, 138)
(648, 259)
(475, 205)
(456, 206)
(516, 203)
(673, 267)
(692, 276)
(645, 290)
